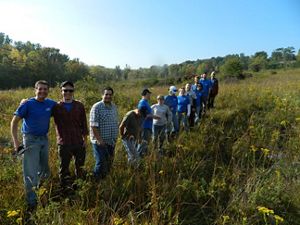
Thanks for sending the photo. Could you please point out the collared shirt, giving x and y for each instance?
(36, 116)
(105, 118)
(70, 125)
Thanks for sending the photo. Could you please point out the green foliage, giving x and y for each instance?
(232, 67)
(240, 165)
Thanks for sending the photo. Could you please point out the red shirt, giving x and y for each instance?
(70, 126)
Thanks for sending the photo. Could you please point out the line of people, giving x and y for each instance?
(72, 131)
(164, 119)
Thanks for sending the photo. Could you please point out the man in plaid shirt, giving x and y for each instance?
(104, 132)
(71, 132)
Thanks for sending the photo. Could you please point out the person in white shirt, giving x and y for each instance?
(164, 114)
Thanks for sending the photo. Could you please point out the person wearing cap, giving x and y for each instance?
(213, 91)
(183, 108)
(103, 133)
(35, 113)
(159, 126)
(171, 101)
(148, 121)
(130, 130)
(71, 133)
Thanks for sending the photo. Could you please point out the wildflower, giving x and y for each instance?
(278, 218)
(42, 191)
(265, 210)
(253, 148)
(225, 219)
(244, 220)
(13, 213)
(118, 221)
(283, 122)
(19, 220)
(161, 172)
(265, 151)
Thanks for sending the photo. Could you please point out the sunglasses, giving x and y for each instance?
(68, 90)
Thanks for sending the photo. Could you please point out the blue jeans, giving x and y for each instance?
(104, 156)
(198, 113)
(146, 134)
(175, 122)
(173, 127)
(159, 136)
(182, 117)
(35, 164)
(133, 149)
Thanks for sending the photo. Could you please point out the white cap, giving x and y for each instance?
(173, 89)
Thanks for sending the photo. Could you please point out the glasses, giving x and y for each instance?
(68, 90)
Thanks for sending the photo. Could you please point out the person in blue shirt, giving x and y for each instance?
(172, 102)
(183, 108)
(35, 113)
(206, 85)
(196, 81)
(199, 100)
(143, 104)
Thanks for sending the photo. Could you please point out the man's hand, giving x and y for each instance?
(100, 143)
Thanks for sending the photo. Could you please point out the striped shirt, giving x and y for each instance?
(105, 118)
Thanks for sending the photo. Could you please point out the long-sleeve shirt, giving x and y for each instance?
(163, 112)
(105, 118)
(70, 125)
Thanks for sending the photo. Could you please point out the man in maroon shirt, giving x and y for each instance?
(71, 132)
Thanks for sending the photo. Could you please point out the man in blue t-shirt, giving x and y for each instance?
(206, 85)
(171, 101)
(36, 113)
(148, 121)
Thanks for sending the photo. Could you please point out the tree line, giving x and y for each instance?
(22, 63)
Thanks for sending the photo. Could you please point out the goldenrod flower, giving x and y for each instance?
(225, 219)
(19, 220)
(42, 191)
(278, 218)
(253, 148)
(265, 151)
(13, 213)
(265, 210)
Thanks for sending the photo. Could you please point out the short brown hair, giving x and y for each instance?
(41, 82)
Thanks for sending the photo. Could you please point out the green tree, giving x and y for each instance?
(259, 61)
(232, 67)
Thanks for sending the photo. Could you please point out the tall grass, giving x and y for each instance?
(243, 156)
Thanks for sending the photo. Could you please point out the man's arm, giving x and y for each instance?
(97, 135)
(121, 129)
(85, 131)
(14, 131)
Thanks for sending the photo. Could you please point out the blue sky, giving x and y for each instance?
(142, 33)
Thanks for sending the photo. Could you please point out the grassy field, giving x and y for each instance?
(239, 166)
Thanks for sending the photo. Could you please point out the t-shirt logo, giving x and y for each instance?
(48, 109)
